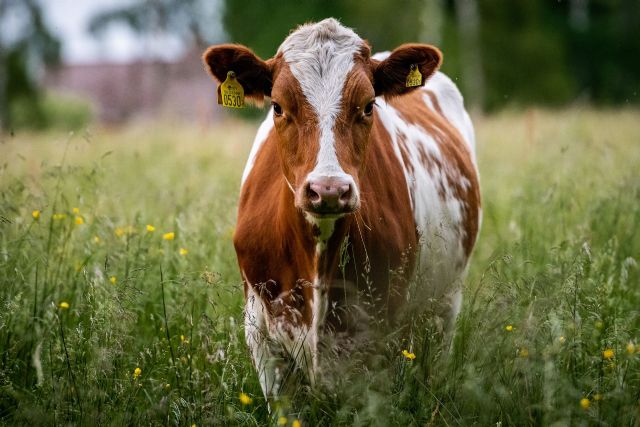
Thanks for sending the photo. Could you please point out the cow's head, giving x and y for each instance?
(323, 84)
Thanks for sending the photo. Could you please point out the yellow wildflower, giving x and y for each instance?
(193, 425)
(585, 403)
(608, 354)
(597, 397)
(408, 355)
(119, 231)
(631, 348)
(79, 220)
(167, 386)
(96, 240)
(64, 305)
(113, 280)
(282, 421)
(523, 352)
(508, 328)
(136, 373)
(183, 251)
(76, 211)
(59, 216)
(169, 236)
(150, 228)
(296, 423)
(245, 399)
(562, 339)
(35, 214)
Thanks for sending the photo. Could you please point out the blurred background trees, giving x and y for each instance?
(26, 45)
(502, 53)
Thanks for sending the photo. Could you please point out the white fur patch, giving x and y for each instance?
(452, 105)
(438, 216)
(264, 334)
(261, 137)
(256, 335)
(320, 57)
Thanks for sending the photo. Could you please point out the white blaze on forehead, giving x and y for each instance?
(320, 56)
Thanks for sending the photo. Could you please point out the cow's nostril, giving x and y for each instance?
(345, 193)
(312, 196)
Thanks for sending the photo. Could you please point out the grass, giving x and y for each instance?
(549, 332)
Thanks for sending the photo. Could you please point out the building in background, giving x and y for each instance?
(140, 89)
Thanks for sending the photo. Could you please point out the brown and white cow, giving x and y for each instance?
(353, 181)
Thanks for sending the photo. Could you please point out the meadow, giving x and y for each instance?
(121, 303)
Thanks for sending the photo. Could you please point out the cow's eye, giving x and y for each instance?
(368, 110)
(277, 109)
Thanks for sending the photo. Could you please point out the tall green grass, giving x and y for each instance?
(549, 332)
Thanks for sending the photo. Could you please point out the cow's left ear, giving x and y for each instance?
(254, 74)
(390, 74)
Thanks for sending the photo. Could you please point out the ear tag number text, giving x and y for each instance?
(415, 77)
(230, 92)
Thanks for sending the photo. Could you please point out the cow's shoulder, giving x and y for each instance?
(444, 96)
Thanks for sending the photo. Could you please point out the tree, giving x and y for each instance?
(192, 21)
(26, 45)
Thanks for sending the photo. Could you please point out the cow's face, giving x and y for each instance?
(323, 86)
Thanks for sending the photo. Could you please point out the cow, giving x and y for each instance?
(356, 182)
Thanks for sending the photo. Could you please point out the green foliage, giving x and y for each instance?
(21, 57)
(531, 52)
(53, 112)
(556, 260)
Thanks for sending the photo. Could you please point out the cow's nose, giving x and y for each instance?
(329, 195)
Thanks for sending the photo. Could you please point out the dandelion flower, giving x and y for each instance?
(167, 386)
(79, 220)
(59, 216)
(562, 339)
(169, 236)
(408, 355)
(245, 399)
(183, 251)
(119, 231)
(296, 423)
(631, 348)
(64, 305)
(35, 214)
(150, 228)
(113, 280)
(608, 354)
(76, 211)
(585, 403)
(136, 373)
(508, 328)
(96, 239)
(282, 421)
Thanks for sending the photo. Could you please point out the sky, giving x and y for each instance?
(69, 20)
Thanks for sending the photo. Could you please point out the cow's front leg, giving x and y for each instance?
(266, 358)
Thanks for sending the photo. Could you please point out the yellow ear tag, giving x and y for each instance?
(415, 77)
(230, 92)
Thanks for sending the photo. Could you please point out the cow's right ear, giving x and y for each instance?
(254, 74)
